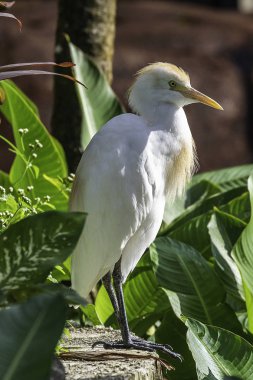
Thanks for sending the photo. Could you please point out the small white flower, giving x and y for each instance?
(21, 192)
(47, 198)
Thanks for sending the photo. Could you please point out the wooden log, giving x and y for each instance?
(81, 362)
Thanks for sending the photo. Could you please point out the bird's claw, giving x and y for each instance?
(156, 345)
(139, 344)
(165, 348)
(121, 346)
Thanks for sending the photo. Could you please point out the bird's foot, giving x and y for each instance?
(155, 345)
(139, 344)
(165, 348)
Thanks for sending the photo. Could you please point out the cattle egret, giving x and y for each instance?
(131, 167)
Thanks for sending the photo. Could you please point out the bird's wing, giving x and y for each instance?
(113, 187)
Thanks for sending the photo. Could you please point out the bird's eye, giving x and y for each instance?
(172, 83)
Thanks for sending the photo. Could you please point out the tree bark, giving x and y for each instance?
(90, 25)
(81, 361)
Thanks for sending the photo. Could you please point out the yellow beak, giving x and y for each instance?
(191, 93)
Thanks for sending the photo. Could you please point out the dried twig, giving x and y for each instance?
(112, 355)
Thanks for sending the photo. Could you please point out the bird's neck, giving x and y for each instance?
(172, 146)
(165, 116)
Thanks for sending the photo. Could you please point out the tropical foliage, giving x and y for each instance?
(34, 248)
(33, 303)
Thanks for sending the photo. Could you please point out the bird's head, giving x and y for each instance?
(164, 83)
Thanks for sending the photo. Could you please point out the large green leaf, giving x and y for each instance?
(29, 333)
(103, 306)
(243, 255)
(200, 191)
(194, 232)
(4, 180)
(199, 187)
(203, 206)
(218, 352)
(249, 304)
(173, 331)
(90, 312)
(190, 226)
(69, 294)
(239, 207)
(243, 250)
(32, 247)
(191, 284)
(224, 230)
(98, 102)
(8, 203)
(228, 178)
(50, 161)
(187, 232)
(195, 192)
(142, 293)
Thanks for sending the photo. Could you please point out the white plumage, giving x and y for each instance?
(128, 171)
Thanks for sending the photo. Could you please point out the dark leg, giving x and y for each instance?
(127, 340)
(123, 323)
(107, 281)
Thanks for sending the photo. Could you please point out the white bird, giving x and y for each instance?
(131, 167)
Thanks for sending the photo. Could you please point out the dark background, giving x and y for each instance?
(212, 40)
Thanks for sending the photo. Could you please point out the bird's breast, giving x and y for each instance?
(173, 160)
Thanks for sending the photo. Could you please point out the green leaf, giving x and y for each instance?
(61, 272)
(142, 293)
(202, 207)
(70, 295)
(190, 227)
(4, 180)
(228, 178)
(200, 191)
(196, 192)
(218, 352)
(29, 333)
(98, 102)
(32, 247)
(58, 186)
(90, 312)
(50, 161)
(103, 306)
(194, 232)
(239, 207)
(242, 253)
(172, 331)
(8, 203)
(224, 230)
(191, 284)
(61, 152)
(223, 179)
(145, 325)
(249, 304)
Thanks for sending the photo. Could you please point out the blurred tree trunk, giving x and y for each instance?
(91, 26)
